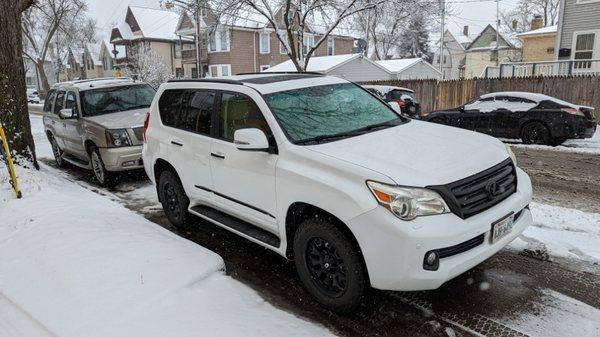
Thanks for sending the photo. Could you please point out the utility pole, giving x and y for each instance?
(197, 38)
(497, 31)
(441, 57)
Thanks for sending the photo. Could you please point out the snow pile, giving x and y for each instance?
(583, 146)
(562, 232)
(75, 263)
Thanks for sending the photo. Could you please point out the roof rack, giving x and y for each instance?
(102, 79)
(208, 80)
(284, 73)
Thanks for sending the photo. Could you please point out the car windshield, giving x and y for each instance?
(122, 98)
(329, 112)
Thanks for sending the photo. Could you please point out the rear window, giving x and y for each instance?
(102, 101)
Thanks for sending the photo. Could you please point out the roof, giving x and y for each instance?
(484, 40)
(94, 50)
(319, 63)
(384, 89)
(541, 31)
(397, 65)
(97, 83)
(110, 47)
(266, 83)
(528, 95)
(153, 24)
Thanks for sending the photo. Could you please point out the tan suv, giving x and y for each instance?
(97, 124)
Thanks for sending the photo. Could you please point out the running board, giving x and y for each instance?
(237, 225)
(76, 161)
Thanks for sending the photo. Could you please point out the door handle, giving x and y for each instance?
(174, 142)
(217, 155)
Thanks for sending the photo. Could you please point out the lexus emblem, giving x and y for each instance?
(493, 189)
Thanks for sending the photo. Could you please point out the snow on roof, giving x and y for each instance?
(529, 95)
(545, 30)
(94, 50)
(398, 65)
(155, 23)
(320, 63)
(462, 38)
(125, 31)
(110, 47)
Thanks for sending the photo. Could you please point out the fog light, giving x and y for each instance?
(431, 260)
(128, 163)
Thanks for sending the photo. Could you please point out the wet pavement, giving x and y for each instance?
(504, 296)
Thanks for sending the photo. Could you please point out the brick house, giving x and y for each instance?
(246, 44)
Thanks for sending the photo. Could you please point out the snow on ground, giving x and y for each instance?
(75, 263)
(584, 146)
(563, 232)
(558, 315)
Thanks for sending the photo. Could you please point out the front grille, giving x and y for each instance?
(479, 192)
(461, 247)
(138, 133)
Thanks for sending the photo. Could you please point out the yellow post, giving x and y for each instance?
(9, 162)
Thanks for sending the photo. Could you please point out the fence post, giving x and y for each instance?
(513, 75)
(570, 67)
(533, 66)
(486, 71)
(500, 71)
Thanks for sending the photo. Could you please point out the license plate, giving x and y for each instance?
(502, 227)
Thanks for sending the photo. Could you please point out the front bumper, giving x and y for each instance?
(394, 249)
(122, 158)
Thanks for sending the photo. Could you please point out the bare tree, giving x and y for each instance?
(148, 67)
(290, 19)
(40, 23)
(518, 19)
(75, 32)
(13, 103)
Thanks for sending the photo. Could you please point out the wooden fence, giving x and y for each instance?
(435, 95)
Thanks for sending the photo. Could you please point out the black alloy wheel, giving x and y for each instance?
(535, 133)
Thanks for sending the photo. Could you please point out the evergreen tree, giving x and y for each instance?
(414, 41)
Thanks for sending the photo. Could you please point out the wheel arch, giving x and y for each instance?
(161, 165)
(298, 212)
(88, 144)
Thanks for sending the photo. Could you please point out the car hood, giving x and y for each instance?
(419, 153)
(120, 120)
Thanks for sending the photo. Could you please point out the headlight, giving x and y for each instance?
(408, 203)
(117, 137)
(511, 154)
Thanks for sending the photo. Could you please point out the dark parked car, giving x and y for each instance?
(534, 118)
(405, 98)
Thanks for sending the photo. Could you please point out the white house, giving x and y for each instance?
(353, 67)
(410, 69)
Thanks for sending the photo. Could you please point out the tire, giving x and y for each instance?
(535, 133)
(174, 200)
(103, 177)
(329, 265)
(58, 152)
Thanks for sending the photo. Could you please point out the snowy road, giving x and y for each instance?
(554, 291)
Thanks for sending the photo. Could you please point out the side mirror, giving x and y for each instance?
(250, 140)
(67, 114)
(395, 106)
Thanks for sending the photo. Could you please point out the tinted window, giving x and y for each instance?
(196, 113)
(49, 100)
(313, 113)
(60, 98)
(188, 110)
(238, 111)
(71, 101)
(96, 102)
(488, 99)
(169, 106)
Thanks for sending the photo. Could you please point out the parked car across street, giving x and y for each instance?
(97, 124)
(306, 165)
(534, 118)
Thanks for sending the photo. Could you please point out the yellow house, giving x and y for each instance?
(538, 44)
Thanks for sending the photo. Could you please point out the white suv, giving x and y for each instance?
(321, 171)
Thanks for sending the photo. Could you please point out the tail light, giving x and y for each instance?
(401, 102)
(146, 123)
(573, 111)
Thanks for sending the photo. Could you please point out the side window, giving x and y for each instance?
(169, 106)
(196, 115)
(60, 100)
(238, 111)
(49, 101)
(71, 102)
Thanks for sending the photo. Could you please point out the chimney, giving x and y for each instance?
(537, 22)
(466, 30)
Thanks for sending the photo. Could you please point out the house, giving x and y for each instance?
(92, 65)
(578, 34)
(149, 30)
(410, 69)
(454, 55)
(539, 42)
(485, 51)
(246, 42)
(353, 67)
(110, 55)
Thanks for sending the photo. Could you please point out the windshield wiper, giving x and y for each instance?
(352, 133)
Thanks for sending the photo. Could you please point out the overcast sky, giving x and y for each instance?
(474, 13)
